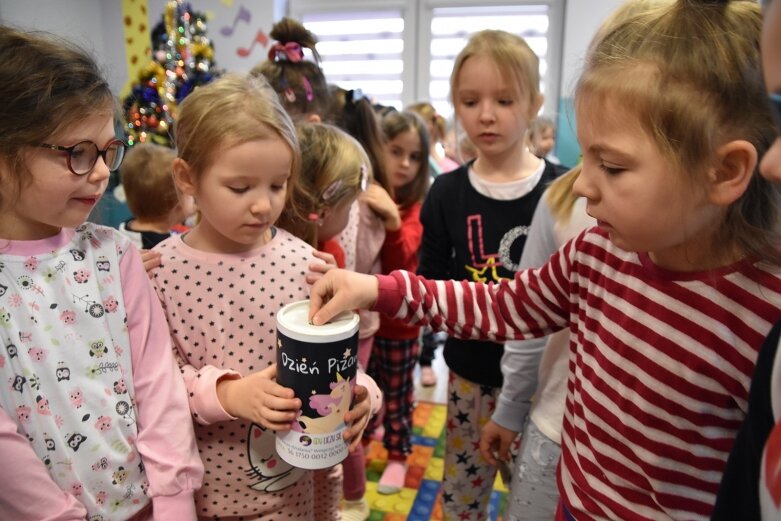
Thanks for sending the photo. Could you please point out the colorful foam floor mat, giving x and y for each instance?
(420, 499)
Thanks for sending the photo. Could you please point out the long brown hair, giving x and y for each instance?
(395, 123)
(46, 84)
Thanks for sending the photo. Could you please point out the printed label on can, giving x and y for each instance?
(322, 374)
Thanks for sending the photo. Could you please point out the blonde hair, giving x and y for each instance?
(430, 115)
(512, 56)
(559, 194)
(232, 110)
(690, 72)
(334, 167)
(148, 182)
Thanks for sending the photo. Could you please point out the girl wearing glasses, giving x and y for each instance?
(94, 420)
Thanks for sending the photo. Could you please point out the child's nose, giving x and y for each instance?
(261, 205)
(487, 113)
(100, 171)
(584, 186)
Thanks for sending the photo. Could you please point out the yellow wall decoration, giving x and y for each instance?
(135, 14)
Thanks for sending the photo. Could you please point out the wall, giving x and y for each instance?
(581, 20)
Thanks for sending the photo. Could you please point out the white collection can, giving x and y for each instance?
(319, 363)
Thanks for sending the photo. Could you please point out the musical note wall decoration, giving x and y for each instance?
(260, 37)
(243, 15)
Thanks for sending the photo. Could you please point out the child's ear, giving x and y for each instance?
(183, 177)
(535, 106)
(313, 118)
(732, 172)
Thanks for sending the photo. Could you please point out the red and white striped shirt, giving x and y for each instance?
(660, 365)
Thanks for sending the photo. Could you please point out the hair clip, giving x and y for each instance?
(356, 95)
(331, 190)
(290, 95)
(364, 177)
(291, 51)
(308, 89)
(313, 217)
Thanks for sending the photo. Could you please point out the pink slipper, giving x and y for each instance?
(392, 479)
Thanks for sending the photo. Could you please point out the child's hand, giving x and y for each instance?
(495, 439)
(341, 290)
(357, 417)
(258, 398)
(318, 269)
(380, 201)
(151, 259)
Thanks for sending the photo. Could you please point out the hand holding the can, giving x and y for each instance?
(260, 399)
(341, 290)
(357, 417)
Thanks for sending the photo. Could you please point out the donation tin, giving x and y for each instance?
(319, 363)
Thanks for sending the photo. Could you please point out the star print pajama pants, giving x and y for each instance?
(392, 365)
(468, 478)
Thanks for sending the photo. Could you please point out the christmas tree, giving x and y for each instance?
(182, 57)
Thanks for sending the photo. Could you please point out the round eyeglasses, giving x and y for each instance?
(83, 156)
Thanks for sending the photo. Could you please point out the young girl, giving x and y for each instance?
(475, 220)
(438, 162)
(299, 82)
(668, 300)
(334, 171)
(93, 420)
(221, 285)
(395, 348)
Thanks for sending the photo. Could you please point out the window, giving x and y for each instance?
(361, 50)
(402, 51)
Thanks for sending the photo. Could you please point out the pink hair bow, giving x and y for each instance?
(290, 51)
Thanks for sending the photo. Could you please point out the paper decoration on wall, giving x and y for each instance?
(244, 15)
(260, 37)
(136, 32)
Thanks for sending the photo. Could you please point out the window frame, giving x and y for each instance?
(416, 55)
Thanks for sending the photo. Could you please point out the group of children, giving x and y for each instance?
(127, 399)
(664, 304)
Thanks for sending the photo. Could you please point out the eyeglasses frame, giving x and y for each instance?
(101, 153)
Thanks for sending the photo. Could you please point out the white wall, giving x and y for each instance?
(93, 24)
